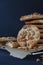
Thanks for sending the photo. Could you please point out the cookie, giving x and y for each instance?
(28, 36)
(31, 17)
(3, 40)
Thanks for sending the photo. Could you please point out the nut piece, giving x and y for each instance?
(12, 44)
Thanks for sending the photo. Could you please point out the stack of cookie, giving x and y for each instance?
(31, 34)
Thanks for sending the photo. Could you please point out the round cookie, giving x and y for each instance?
(28, 36)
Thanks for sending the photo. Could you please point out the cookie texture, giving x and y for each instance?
(28, 36)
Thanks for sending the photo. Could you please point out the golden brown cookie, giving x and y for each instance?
(28, 36)
(31, 17)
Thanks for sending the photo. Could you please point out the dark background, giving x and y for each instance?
(10, 12)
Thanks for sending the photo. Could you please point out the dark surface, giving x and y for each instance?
(10, 12)
(6, 59)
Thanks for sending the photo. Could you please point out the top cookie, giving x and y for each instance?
(31, 17)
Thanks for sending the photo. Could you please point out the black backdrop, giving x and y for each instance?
(10, 12)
